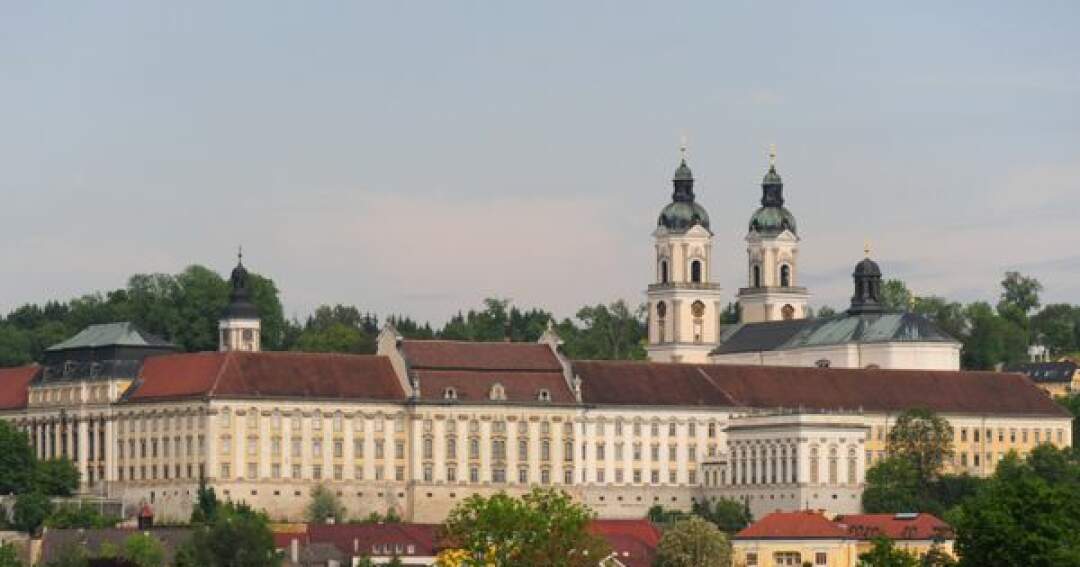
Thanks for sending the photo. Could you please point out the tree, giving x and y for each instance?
(824, 312)
(544, 527)
(885, 554)
(727, 514)
(56, 477)
(924, 439)
(75, 516)
(895, 295)
(1020, 516)
(1019, 293)
(206, 504)
(1057, 327)
(607, 332)
(991, 339)
(8, 556)
(693, 542)
(16, 460)
(324, 505)
(30, 511)
(235, 536)
(144, 550)
(1072, 403)
(892, 485)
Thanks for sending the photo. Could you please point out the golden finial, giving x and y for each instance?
(682, 147)
(866, 248)
(772, 155)
(240, 254)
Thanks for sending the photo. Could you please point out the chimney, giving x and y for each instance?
(294, 550)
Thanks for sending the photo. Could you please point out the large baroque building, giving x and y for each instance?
(421, 425)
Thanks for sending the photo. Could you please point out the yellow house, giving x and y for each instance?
(809, 537)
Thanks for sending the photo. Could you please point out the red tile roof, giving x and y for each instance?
(895, 526)
(267, 374)
(805, 524)
(643, 383)
(461, 355)
(15, 386)
(472, 386)
(361, 539)
(633, 542)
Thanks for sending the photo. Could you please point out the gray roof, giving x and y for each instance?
(844, 329)
(56, 541)
(1047, 372)
(111, 334)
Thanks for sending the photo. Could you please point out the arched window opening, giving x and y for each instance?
(785, 276)
(695, 271)
(449, 394)
(756, 271)
(697, 309)
(787, 312)
(498, 392)
(661, 313)
(544, 395)
(663, 271)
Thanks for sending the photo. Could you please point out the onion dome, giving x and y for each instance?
(867, 296)
(240, 305)
(683, 212)
(772, 218)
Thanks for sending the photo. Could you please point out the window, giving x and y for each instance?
(755, 276)
(449, 394)
(852, 466)
(618, 451)
(474, 474)
(663, 271)
(691, 429)
(523, 450)
(316, 472)
(380, 449)
(545, 450)
(695, 271)
(339, 449)
(399, 449)
(429, 448)
(399, 424)
(316, 448)
(523, 475)
(785, 276)
(451, 473)
(833, 466)
(498, 392)
(297, 447)
(338, 423)
(498, 475)
(544, 395)
(451, 447)
(813, 464)
(821, 558)
(474, 448)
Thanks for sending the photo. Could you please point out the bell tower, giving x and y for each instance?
(772, 249)
(684, 304)
(240, 327)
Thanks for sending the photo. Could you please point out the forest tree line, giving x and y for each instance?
(184, 308)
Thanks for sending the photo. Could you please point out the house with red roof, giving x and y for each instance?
(812, 537)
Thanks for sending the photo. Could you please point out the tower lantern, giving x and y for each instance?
(240, 327)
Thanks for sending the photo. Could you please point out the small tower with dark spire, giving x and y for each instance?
(867, 296)
(772, 292)
(240, 327)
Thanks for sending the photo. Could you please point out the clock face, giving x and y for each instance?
(698, 309)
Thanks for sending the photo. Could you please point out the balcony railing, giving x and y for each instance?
(773, 289)
(686, 285)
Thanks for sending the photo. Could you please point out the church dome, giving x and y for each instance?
(683, 212)
(681, 215)
(240, 305)
(772, 220)
(867, 267)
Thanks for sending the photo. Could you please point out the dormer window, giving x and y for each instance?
(449, 394)
(498, 393)
(544, 395)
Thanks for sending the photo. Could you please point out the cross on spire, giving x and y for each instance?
(772, 154)
(866, 247)
(682, 147)
(240, 254)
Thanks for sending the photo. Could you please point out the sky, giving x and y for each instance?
(416, 157)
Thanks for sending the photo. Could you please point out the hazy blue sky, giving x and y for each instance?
(416, 157)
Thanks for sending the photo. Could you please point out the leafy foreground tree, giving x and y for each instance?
(30, 511)
(727, 514)
(234, 536)
(924, 439)
(206, 504)
(16, 460)
(693, 542)
(885, 554)
(8, 557)
(543, 528)
(143, 550)
(69, 516)
(56, 477)
(892, 485)
(1026, 514)
(324, 505)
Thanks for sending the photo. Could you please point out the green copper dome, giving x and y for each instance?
(772, 221)
(683, 212)
(679, 216)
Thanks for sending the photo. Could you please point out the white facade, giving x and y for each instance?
(898, 355)
(772, 292)
(684, 304)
